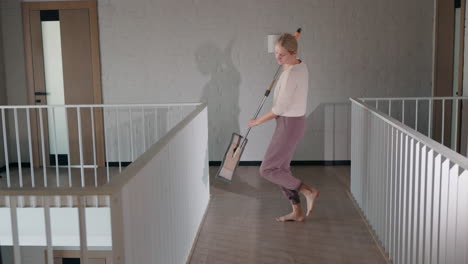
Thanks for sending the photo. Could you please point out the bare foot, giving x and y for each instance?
(298, 217)
(311, 195)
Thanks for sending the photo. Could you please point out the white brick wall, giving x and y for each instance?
(191, 50)
(178, 51)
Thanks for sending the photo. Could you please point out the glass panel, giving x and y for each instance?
(98, 228)
(6, 238)
(31, 227)
(65, 227)
(54, 85)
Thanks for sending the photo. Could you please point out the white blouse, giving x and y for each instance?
(290, 95)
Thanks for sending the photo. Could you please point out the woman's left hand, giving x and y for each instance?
(252, 123)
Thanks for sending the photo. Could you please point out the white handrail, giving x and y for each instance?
(411, 98)
(447, 152)
(96, 105)
(410, 188)
(112, 186)
(120, 191)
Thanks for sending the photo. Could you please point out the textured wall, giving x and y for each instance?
(216, 51)
(13, 51)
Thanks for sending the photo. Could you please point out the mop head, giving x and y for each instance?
(231, 158)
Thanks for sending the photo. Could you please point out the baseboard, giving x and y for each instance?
(122, 163)
(294, 163)
(15, 165)
(215, 163)
(28, 164)
(197, 236)
(61, 158)
(371, 231)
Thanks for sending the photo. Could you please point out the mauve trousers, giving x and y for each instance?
(275, 166)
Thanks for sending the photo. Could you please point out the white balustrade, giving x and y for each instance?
(412, 190)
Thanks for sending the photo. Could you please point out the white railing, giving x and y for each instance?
(51, 220)
(160, 212)
(422, 113)
(58, 142)
(156, 203)
(412, 190)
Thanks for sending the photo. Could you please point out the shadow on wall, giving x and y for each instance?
(327, 134)
(221, 93)
(127, 134)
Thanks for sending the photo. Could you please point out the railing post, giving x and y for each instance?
(48, 230)
(14, 229)
(416, 116)
(429, 126)
(55, 149)
(83, 232)
(390, 108)
(106, 143)
(41, 127)
(80, 142)
(443, 122)
(118, 248)
(68, 148)
(132, 150)
(91, 109)
(5, 147)
(118, 137)
(18, 148)
(31, 158)
(403, 111)
(143, 129)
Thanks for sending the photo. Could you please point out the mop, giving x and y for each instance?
(238, 142)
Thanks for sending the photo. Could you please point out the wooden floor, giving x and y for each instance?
(240, 228)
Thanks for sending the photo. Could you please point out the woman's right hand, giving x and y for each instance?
(252, 123)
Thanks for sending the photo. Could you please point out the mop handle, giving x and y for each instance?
(267, 92)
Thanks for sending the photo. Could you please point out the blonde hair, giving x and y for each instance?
(288, 42)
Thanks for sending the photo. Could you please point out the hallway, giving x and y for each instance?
(240, 228)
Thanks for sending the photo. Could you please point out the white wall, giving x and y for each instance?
(15, 73)
(216, 51)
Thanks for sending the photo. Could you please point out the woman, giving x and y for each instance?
(289, 108)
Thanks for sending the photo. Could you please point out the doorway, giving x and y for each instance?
(448, 72)
(73, 257)
(63, 68)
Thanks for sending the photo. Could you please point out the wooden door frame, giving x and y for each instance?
(461, 64)
(444, 52)
(91, 5)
